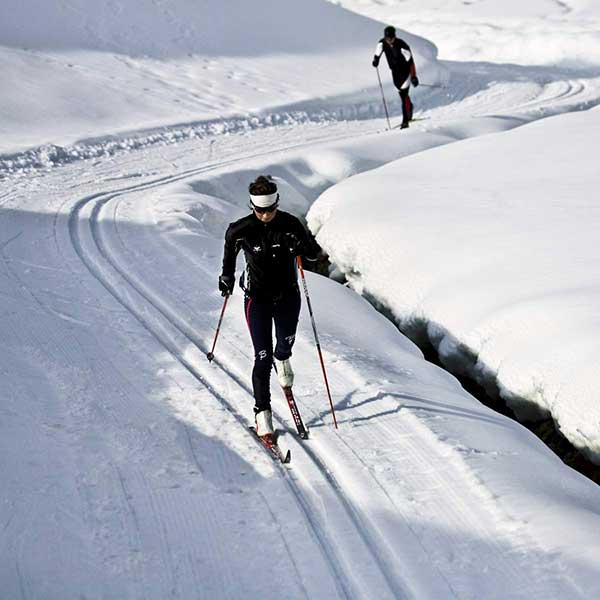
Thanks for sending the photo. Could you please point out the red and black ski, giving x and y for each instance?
(269, 443)
(300, 427)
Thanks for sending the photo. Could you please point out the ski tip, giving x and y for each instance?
(287, 458)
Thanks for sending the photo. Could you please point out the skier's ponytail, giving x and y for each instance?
(262, 186)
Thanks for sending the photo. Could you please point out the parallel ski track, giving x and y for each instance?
(101, 271)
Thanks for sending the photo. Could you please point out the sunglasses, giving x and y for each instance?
(261, 210)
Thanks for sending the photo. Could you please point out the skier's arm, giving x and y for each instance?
(302, 243)
(378, 53)
(230, 252)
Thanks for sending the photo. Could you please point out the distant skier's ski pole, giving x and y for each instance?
(312, 319)
(387, 116)
(210, 354)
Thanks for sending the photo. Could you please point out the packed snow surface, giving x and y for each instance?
(535, 32)
(494, 249)
(490, 246)
(130, 131)
(78, 70)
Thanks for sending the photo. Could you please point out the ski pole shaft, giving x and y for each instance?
(431, 85)
(210, 355)
(387, 116)
(312, 320)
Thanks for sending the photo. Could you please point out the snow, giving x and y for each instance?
(81, 70)
(127, 468)
(493, 259)
(536, 32)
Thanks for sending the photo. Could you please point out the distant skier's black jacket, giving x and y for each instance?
(270, 250)
(396, 59)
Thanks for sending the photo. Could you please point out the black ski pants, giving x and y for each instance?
(261, 314)
(401, 82)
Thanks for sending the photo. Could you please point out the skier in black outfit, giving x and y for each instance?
(270, 239)
(402, 65)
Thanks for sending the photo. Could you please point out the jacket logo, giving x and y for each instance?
(256, 248)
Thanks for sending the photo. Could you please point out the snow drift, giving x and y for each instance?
(493, 243)
(536, 32)
(83, 69)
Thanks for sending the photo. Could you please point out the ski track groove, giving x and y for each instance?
(378, 550)
(384, 562)
(165, 553)
(99, 200)
(133, 536)
(367, 532)
(340, 577)
(509, 564)
(287, 547)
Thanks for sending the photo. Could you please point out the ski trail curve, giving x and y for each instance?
(89, 245)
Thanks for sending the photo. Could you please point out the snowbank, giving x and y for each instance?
(492, 243)
(536, 32)
(86, 69)
(466, 480)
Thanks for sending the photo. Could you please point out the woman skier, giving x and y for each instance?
(271, 239)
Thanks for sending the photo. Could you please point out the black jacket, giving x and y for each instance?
(270, 250)
(399, 56)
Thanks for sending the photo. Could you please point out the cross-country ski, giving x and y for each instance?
(271, 444)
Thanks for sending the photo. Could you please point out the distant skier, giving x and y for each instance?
(402, 65)
(270, 239)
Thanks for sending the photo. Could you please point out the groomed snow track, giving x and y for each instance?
(363, 555)
(375, 569)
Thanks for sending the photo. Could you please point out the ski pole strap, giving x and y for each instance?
(314, 327)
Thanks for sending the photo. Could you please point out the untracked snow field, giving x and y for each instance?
(130, 132)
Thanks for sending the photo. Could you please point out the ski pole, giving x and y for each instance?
(387, 116)
(431, 85)
(312, 319)
(210, 354)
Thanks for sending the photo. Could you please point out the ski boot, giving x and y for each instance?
(285, 375)
(264, 425)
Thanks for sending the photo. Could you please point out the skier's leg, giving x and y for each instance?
(407, 106)
(286, 314)
(259, 316)
(402, 82)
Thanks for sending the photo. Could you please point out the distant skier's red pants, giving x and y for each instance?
(402, 83)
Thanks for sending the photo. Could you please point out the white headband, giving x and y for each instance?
(263, 201)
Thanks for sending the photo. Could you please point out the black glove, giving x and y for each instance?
(292, 243)
(226, 283)
(414, 80)
(376, 61)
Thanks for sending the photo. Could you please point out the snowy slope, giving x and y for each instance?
(513, 302)
(496, 253)
(78, 70)
(536, 32)
(128, 453)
